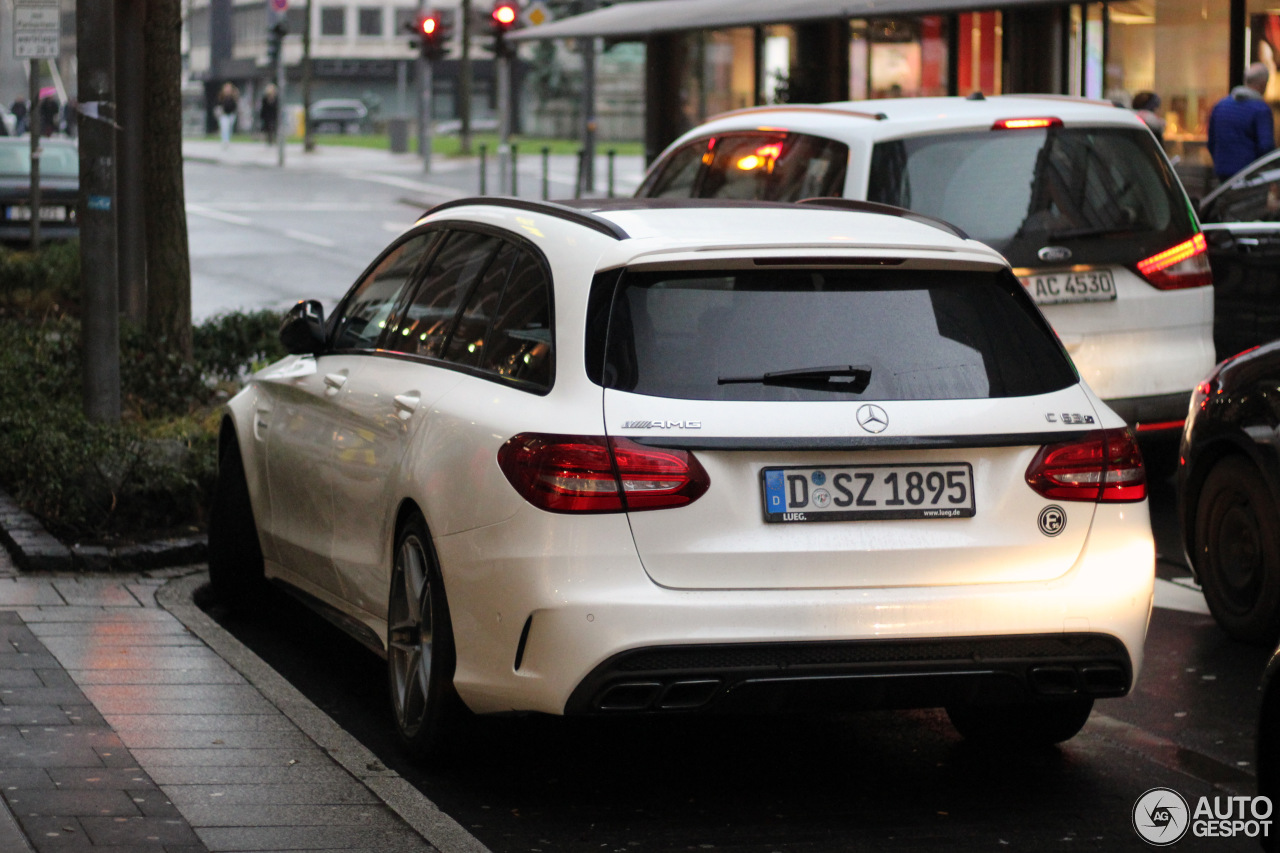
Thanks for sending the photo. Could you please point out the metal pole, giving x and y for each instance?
(33, 119)
(546, 166)
(589, 110)
(504, 120)
(280, 134)
(308, 141)
(484, 152)
(612, 155)
(95, 40)
(577, 181)
(515, 169)
(464, 80)
(425, 118)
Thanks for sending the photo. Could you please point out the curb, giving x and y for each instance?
(420, 813)
(35, 549)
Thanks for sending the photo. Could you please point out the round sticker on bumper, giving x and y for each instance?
(1053, 519)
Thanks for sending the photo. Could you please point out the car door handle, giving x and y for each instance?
(1248, 241)
(406, 403)
(333, 382)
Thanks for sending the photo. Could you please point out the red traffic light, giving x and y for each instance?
(428, 25)
(504, 15)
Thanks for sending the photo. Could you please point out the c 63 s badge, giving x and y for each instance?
(1053, 519)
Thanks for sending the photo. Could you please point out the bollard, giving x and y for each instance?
(484, 150)
(612, 154)
(515, 171)
(546, 167)
(582, 165)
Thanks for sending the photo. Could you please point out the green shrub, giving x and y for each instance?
(96, 482)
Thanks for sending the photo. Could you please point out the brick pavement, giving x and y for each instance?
(125, 727)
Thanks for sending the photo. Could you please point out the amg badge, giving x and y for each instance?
(662, 425)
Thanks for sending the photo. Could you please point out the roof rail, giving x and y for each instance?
(886, 209)
(547, 208)
(1071, 99)
(799, 108)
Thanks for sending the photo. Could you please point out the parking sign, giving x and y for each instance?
(37, 29)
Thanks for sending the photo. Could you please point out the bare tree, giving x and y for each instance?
(168, 261)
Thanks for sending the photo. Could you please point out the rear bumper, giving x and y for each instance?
(544, 623)
(777, 677)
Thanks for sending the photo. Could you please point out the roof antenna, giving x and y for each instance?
(976, 96)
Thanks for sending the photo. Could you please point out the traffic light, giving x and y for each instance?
(275, 40)
(431, 33)
(503, 17)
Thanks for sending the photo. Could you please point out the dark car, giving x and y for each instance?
(59, 188)
(1268, 742)
(1229, 492)
(1241, 221)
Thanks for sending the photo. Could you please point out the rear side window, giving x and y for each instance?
(1104, 193)
(764, 166)
(908, 334)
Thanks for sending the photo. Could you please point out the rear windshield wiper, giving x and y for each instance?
(848, 377)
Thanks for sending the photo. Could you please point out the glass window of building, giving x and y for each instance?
(979, 59)
(1177, 49)
(898, 57)
(370, 21)
(775, 64)
(729, 70)
(333, 20)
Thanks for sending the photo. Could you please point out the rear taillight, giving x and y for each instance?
(1105, 466)
(586, 473)
(1184, 265)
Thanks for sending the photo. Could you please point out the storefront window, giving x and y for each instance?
(775, 65)
(1177, 49)
(729, 70)
(898, 57)
(980, 58)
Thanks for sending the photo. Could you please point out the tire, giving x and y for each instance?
(1028, 724)
(420, 651)
(1237, 544)
(235, 554)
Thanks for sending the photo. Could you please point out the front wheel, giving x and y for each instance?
(420, 651)
(1237, 541)
(235, 555)
(1026, 724)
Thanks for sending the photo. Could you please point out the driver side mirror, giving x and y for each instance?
(302, 329)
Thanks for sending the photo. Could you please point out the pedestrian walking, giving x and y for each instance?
(50, 115)
(1146, 104)
(19, 110)
(269, 112)
(1241, 127)
(228, 109)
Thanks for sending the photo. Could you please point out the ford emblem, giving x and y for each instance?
(1054, 254)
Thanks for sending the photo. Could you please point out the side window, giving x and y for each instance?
(429, 317)
(678, 177)
(519, 345)
(775, 167)
(364, 313)
(466, 343)
(1254, 199)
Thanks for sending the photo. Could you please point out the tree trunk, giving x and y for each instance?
(168, 262)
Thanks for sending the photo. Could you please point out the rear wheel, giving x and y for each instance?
(235, 555)
(1022, 724)
(420, 652)
(1237, 540)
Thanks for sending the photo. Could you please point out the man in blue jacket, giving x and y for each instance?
(1241, 128)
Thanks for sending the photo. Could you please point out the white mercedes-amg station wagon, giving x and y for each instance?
(660, 456)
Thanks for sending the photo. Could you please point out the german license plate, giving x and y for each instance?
(1060, 287)
(852, 492)
(48, 213)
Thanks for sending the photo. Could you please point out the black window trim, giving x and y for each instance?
(419, 276)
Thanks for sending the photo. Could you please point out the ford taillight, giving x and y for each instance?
(1183, 265)
(1106, 466)
(584, 473)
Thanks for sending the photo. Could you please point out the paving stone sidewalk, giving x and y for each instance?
(125, 727)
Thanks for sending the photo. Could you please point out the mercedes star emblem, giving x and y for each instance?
(872, 418)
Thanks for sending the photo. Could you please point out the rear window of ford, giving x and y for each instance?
(907, 335)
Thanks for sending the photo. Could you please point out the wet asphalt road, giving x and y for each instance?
(857, 781)
(861, 781)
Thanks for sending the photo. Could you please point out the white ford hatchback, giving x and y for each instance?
(1076, 194)
(661, 457)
